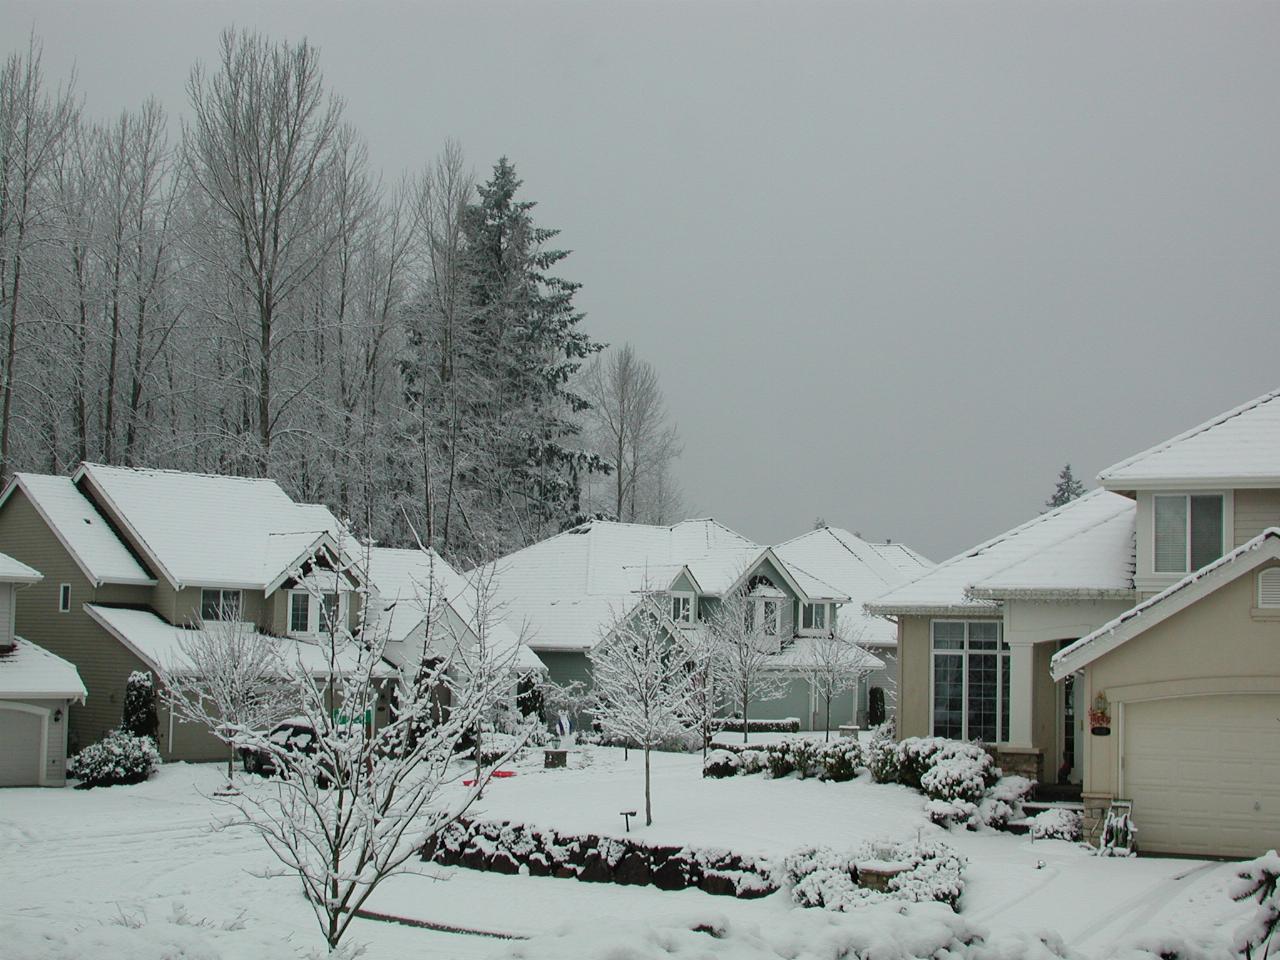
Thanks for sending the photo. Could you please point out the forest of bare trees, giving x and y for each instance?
(240, 293)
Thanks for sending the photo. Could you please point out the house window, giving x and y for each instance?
(1188, 531)
(970, 681)
(813, 618)
(299, 612)
(330, 613)
(220, 605)
(1269, 588)
(682, 607)
(64, 597)
(772, 622)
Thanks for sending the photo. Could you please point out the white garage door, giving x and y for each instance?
(19, 748)
(1204, 773)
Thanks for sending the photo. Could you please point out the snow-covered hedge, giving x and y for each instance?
(505, 847)
(1257, 880)
(924, 871)
(734, 725)
(837, 760)
(1057, 824)
(117, 758)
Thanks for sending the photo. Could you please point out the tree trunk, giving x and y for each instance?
(744, 718)
(648, 798)
(827, 736)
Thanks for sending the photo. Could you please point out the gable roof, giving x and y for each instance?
(158, 643)
(1062, 540)
(401, 582)
(198, 529)
(567, 589)
(1238, 448)
(15, 571)
(31, 672)
(1231, 566)
(80, 528)
(859, 570)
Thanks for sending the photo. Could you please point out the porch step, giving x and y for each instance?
(1056, 792)
(1032, 807)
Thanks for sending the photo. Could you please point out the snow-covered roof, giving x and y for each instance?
(1236, 448)
(1231, 566)
(31, 672)
(800, 651)
(15, 571)
(1062, 542)
(402, 582)
(80, 528)
(566, 590)
(157, 644)
(858, 570)
(203, 530)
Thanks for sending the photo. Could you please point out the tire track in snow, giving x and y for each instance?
(1138, 909)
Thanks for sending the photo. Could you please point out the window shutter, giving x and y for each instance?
(1269, 588)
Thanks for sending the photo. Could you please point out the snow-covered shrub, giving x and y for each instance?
(1058, 824)
(139, 714)
(806, 758)
(958, 776)
(949, 813)
(936, 873)
(117, 758)
(1257, 880)
(752, 761)
(721, 763)
(734, 725)
(882, 756)
(875, 706)
(841, 759)
(1003, 801)
(779, 759)
(916, 756)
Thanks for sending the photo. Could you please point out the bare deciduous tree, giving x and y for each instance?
(832, 664)
(746, 624)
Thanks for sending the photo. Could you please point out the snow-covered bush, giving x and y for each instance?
(958, 777)
(823, 877)
(779, 759)
(752, 761)
(1003, 801)
(915, 757)
(841, 759)
(1058, 824)
(882, 756)
(117, 758)
(721, 763)
(935, 873)
(785, 725)
(950, 813)
(1257, 880)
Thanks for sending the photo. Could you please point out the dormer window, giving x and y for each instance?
(1188, 531)
(682, 607)
(220, 605)
(814, 618)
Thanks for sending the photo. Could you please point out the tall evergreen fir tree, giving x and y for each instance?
(529, 339)
(1068, 489)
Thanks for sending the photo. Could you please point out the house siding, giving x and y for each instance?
(1255, 511)
(1196, 650)
(104, 665)
(913, 677)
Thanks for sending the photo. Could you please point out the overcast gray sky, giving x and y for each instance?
(895, 262)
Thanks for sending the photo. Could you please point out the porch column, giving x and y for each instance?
(1021, 683)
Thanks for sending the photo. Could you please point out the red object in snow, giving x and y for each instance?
(497, 775)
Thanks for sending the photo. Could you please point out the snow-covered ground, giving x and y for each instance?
(137, 871)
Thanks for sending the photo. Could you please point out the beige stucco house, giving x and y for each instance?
(1154, 601)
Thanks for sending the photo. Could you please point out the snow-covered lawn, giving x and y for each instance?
(136, 871)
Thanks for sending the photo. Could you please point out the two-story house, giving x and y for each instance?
(1128, 642)
(37, 689)
(131, 557)
(567, 592)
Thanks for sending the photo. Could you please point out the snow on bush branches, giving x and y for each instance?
(925, 871)
(837, 760)
(117, 758)
(1058, 824)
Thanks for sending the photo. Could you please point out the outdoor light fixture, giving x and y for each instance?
(57, 715)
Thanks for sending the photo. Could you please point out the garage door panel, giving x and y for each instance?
(1204, 773)
(20, 759)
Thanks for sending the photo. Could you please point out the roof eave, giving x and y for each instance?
(989, 609)
(1122, 484)
(1052, 593)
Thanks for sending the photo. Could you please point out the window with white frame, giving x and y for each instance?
(1189, 530)
(1269, 588)
(220, 605)
(814, 618)
(970, 681)
(682, 607)
(316, 615)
